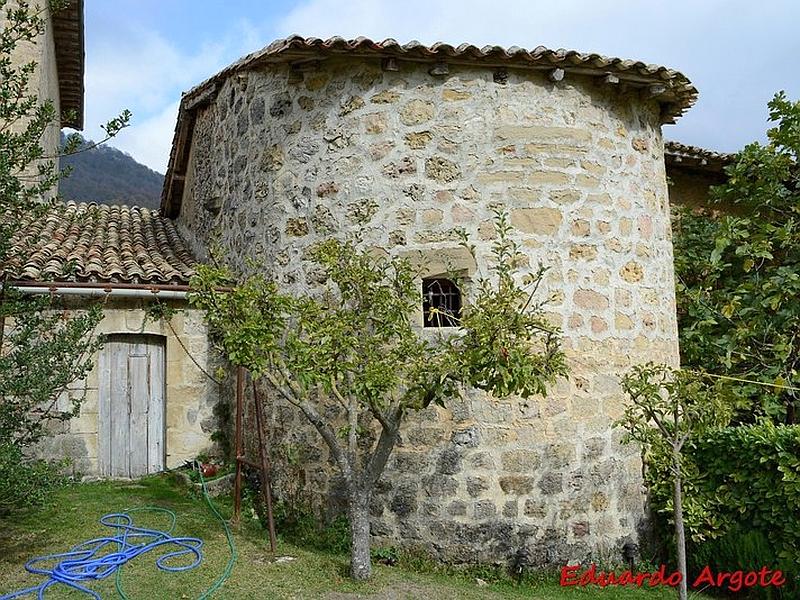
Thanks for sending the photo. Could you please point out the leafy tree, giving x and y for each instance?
(349, 357)
(739, 274)
(668, 409)
(42, 348)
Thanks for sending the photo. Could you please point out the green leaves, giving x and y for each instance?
(348, 354)
(668, 407)
(745, 477)
(507, 346)
(46, 349)
(353, 339)
(739, 273)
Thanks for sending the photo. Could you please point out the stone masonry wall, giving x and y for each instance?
(280, 160)
(691, 188)
(44, 79)
(190, 395)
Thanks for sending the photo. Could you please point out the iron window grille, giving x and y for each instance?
(441, 302)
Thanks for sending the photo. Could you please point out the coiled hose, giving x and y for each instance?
(101, 557)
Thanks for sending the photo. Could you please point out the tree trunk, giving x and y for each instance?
(360, 562)
(680, 534)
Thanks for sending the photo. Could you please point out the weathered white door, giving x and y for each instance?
(131, 411)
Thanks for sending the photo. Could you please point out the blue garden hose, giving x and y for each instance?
(102, 557)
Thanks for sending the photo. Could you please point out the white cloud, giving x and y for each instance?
(144, 72)
(149, 141)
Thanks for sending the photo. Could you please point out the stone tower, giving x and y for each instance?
(309, 138)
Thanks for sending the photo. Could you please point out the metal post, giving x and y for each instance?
(237, 482)
(266, 486)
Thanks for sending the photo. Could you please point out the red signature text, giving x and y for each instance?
(733, 581)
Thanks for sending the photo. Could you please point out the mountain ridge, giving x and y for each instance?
(107, 175)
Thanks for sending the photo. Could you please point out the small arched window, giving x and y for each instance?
(441, 302)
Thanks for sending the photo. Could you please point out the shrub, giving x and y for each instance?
(25, 483)
(299, 525)
(743, 490)
(748, 551)
(754, 474)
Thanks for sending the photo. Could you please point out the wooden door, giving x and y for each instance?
(131, 411)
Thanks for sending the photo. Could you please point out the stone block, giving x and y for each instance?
(540, 221)
(520, 461)
(582, 252)
(449, 462)
(476, 486)
(441, 169)
(511, 509)
(517, 485)
(404, 500)
(525, 133)
(385, 97)
(353, 103)
(548, 178)
(376, 123)
(632, 272)
(536, 509)
(484, 509)
(551, 483)
(457, 508)
(590, 299)
(439, 486)
(482, 461)
(506, 177)
(416, 111)
(449, 95)
(417, 140)
(467, 438)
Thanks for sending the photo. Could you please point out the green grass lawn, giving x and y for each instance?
(73, 516)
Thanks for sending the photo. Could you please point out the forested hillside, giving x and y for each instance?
(109, 176)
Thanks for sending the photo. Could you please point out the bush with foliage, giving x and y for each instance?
(753, 473)
(738, 274)
(24, 482)
(742, 498)
(748, 550)
(668, 410)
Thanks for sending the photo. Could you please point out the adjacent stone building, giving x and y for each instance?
(690, 173)
(310, 138)
(149, 402)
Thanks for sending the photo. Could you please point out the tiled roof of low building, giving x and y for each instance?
(676, 150)
(679, 155)
(88, 242)
(671, 89)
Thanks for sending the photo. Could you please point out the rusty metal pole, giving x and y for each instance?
(266, 486)
(237, 482)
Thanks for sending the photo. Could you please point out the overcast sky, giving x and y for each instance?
(141, 54)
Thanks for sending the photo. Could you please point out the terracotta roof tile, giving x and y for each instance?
(100, 243)
(679, 155)
(678, 95)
